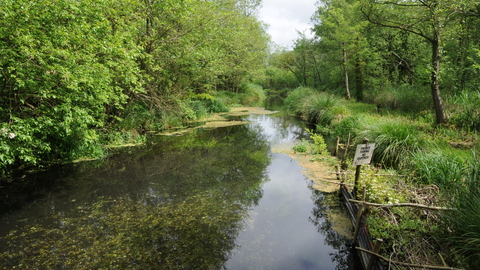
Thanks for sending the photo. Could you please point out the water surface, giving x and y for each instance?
(209, 199)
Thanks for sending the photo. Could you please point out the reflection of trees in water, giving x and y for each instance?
(176, 205)
(344, 254)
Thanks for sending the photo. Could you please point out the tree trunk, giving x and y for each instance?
(346, 72)
(435, 84)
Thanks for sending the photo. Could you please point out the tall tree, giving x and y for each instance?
(425, 18)
(341, 28)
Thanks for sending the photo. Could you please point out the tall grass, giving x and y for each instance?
(444, 168)
(322, 108)
(466, 218)
(465, 110)
(294, 102)
(395, 142)
(405, 98)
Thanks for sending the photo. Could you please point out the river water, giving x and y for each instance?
(207, 199)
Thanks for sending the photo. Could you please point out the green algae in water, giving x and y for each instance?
(120, 233)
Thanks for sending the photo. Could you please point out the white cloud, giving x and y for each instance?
(284, 17)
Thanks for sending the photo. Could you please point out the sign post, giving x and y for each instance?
(363, 155)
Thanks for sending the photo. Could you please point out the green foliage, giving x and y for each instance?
(294, 102)
(465, 110)
(322, 108)
(72, 71)
(317, 147)
(302, 147)
(279, 78)
(466, 218)
(446, 169)
(378, 186)
(395, 142)
(405, 98)
(252, 94)
(348, 125)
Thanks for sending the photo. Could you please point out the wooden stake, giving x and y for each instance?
(358, 219)
(336, 147)
(376, 249)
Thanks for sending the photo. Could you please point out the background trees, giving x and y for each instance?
(414, 56)
(72, 71)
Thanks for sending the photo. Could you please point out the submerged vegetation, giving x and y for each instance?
(77, 77)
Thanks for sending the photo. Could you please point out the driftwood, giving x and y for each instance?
(408, 264)
(401, 205)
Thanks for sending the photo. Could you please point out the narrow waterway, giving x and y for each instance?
(207, 199)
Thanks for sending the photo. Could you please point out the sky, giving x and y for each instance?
(285, 17)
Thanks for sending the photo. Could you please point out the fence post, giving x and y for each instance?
(336, 147)
(357, 173)
(358, 219)
(376, 249)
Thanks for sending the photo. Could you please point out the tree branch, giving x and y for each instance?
(401, 205)
(408, 264)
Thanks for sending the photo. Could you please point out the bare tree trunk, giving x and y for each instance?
(347, 87)
(435, 84)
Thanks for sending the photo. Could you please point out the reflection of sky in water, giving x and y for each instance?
(278, 233)
(276, 129)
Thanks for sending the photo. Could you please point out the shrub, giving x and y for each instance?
(321, 108)
(395, 142)
(252, 94)
(295, 100)
(349, 125)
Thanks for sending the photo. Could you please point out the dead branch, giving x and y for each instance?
(408, 264)
(401, 205)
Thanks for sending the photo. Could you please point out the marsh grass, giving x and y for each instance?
(465, 110)
(323, 108)
(395, 142)
(466, 217)
(445, 168)
(295, 101)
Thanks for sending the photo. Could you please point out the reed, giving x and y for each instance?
(395, 142)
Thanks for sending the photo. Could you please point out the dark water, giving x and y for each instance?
(210, 199)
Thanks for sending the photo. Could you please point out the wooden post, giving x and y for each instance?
(358, 218)
(346, 152)
(376, 249)
(336, 147)
(337, 170)
(357, 173)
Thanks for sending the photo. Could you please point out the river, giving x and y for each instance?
(209, 198)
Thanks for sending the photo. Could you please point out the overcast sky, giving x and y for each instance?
(287, 16)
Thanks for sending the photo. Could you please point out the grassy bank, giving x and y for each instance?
(416, 162)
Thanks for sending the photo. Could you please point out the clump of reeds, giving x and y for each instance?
(466, 217)
(395, 142)
(322, 108)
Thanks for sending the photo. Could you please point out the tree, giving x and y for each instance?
(425, 18)
(341, 30)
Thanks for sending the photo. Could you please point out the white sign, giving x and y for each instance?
(364, 153)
